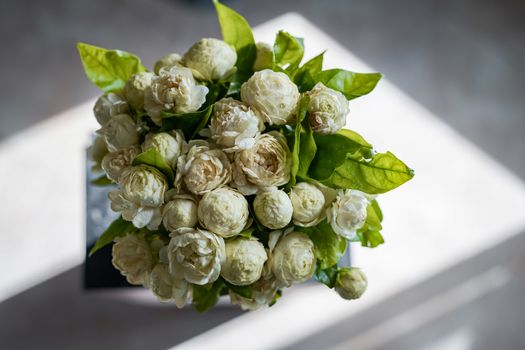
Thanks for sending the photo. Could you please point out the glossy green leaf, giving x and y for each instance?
(102, 181)
(329, 246)
(304, 77)
(296, 152)
(189, 123)
(370, 239)
(205, 297)
(153, 158)
(350, 84)
(118, 228)
(326, 276)
(108, 69)
(243, 291)
(288, 51)
(369, 234)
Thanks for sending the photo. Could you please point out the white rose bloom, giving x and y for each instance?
(171, 59)
(144, 186)
(180, 211)
(97, 151)
(224, 212)
(174, 90)
(244, 261)
(166, 287)
(234, 125)
(141, 216)
(266, 164)
(263, 293)
(133, 257)
(273, 95)
(264, 57)
(273, 208)
(109, 105)
(348, 212)
(120, 131)
(135, 88)
(293, 259)
(169, 146)
(308, 204)
(210, 59)
(115, 163)
(327, 109)
(202, 169)
(350, 283)
(196, 255)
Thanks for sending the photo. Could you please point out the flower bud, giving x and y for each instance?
(97, 151)
(168, 145)
(244, 261)
(144, 186)
(135, 88)
(171, 59)
(273, 208)
(308, 204)
(327, 109)
(272, 95)
(109, 105)
(210, 59)
(264, 57)
(293, 259)
(180, 211)
(120, 132)
(115, 163)
(350, 283)
(348, 212)
(223, 211)
(133, 257)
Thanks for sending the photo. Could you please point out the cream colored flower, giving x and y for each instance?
(308, 204)
(97, 151)
(169, 145)
(140, 216)
(115, 163)
(244, 261)
(264, 57)
(263, 293)
(180, 211)
(144, 186)
(132, 256)
(120, 131)
(196, 255)
(135, 88)
(234, 125)
(175, 91)
(272, 95)
(350, 283)
(109, 105)
(267, 163)
(224, 212)
(166, 287)
(202, 168)
(327, 109)
(348, 212)
(273, 208)
(293, 259)
(210, 59)
(171, 59)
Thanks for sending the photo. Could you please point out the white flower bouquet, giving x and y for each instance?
(231, 170)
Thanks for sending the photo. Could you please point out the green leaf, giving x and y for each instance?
(381, 174)
(237, 32)
(118, 228)
(296, 152)
(307, 149)
(370, 239)
(189, 123)
(277, 296)
(369, 234)
(108, 69)
(247, 233)
(350, 84)
(329, 246)
(304, 77)
(332, 152)
(326, 276)
(288, 51)
(102, 181)
(205, 297)
(153, 158)
(243, 291)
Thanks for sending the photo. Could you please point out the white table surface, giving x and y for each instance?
(460, 203)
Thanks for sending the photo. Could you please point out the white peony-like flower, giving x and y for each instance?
(174, 90)
(350, 283)
(234, 125)
(266, 164)
(264, 57)
(196, 255)
(166, 287)
(109, 105)
(140, 216)
(348, 212)
(244, 261)
(180, 211)
(223, 211)
(144, 186)
(273, 208)
(135, 88)
(171, 59)
(115, 163)
(133, 257)
(169, 145)
(293, 259)
(272, 95)
(202, 168)
(210, 59)
(97, 151)
(263, 293)
(120, 131)
(327, 109)
(308, 204)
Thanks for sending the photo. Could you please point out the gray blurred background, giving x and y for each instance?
(461, 59)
